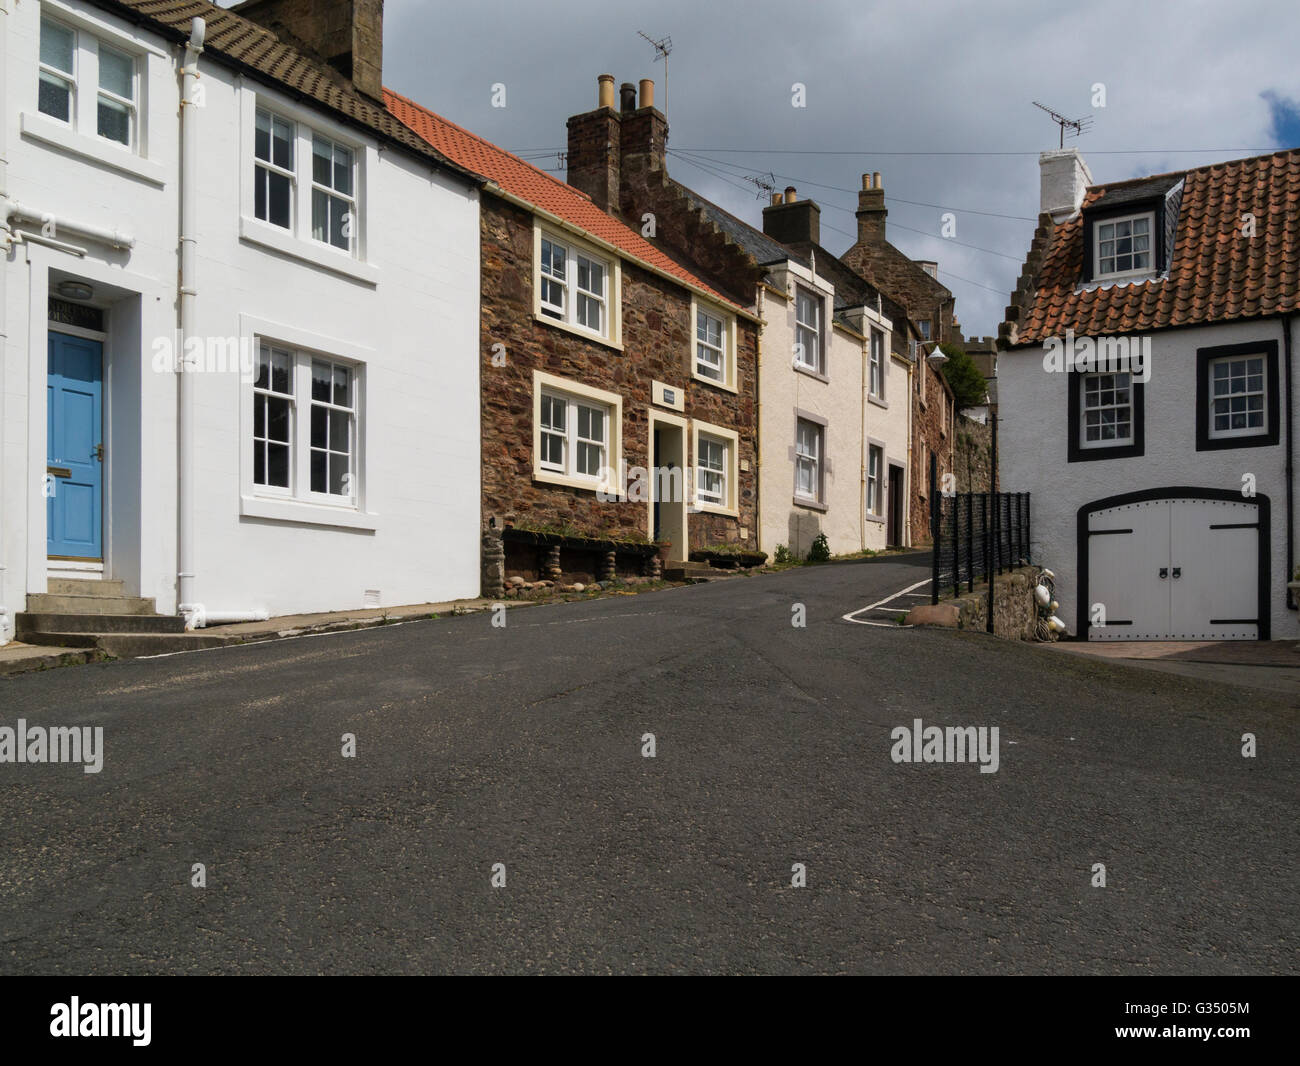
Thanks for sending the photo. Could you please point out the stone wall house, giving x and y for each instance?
(834, 429)
(618, 386)
(1149, 398)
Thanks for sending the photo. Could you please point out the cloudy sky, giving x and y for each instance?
(935, 95)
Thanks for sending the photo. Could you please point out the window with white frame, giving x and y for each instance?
(333, 202)
(710, 346)
(274, 177)
(574, 435)
(73, 61)
(923, 327)
(1238, 396)
(305, 182)
(808, 329)
(273, 419)
(877, 364)
(808, 450)
(554, 279)
(1123, 245)
(875, 465)
(573, 287)
(333, 428)
(711, 470)
(1106, 402)
(313, 457)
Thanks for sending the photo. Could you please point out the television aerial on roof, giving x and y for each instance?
(1076, 126)
(662, 47)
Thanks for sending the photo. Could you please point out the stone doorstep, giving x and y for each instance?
(18, 658)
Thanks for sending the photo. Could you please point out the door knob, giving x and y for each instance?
(1164, 571)
(98, 452)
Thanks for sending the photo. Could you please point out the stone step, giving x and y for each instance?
(692, 572)
(35, 623)
(64, 603)
(59, 640)
(133, 645)
(75, 586)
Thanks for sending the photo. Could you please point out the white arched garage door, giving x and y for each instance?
(1180, 564)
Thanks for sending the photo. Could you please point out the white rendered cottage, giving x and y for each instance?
(314, 262)
(1148, 395)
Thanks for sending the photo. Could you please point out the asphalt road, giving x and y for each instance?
(522, 745)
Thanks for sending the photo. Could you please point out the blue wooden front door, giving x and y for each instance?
(74, 448)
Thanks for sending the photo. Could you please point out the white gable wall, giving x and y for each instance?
(1033, 453)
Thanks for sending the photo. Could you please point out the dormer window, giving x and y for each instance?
(1124, 246)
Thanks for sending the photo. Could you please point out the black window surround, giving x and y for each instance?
(1270, 434)
(1160, 256)
(1079, 454)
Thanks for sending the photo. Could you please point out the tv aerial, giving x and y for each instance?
(1076, 126)
(662, 47)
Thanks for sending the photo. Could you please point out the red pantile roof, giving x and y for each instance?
(538, 188)
(1216, 274)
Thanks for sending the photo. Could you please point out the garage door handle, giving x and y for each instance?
(1164, 571)
(1178, 571)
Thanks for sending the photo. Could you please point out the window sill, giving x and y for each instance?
(40, 127)
(811, 505)
(260, 233)
(1263, 439)
(716, 384)
(306, 513)
(715, 508)
(569, 481)
(801, 369)
(877, 519)
(577, 331)
(878, 401)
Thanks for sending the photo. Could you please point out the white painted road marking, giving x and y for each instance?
(879, 603)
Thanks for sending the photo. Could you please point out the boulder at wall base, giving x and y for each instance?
(935, 614)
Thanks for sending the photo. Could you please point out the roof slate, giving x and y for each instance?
(1216, 274)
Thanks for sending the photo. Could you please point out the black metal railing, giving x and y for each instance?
(976, 534)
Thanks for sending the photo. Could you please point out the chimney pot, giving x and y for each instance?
(647, 93)
(866, 181)
(605, 90)
(876, 182)
(776, 198)
(627, 97)
(790, 194)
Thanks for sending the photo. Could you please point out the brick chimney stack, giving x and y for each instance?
(346, 34)
(645, 132)
(791, 220)
(871, 210)
(594, 148)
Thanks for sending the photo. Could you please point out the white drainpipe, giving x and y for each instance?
(112, 237)
(185, 495)
(196, 615)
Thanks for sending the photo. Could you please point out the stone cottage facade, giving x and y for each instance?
(618, 388)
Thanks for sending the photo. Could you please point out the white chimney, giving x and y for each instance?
(1065, 180)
